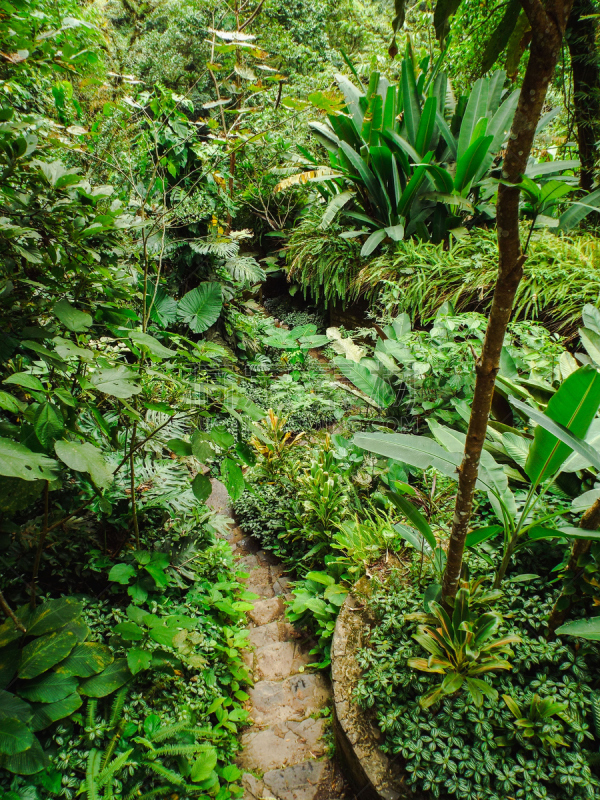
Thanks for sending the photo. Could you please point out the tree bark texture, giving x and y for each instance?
(589, 522)
(548, 23)
(581, 36)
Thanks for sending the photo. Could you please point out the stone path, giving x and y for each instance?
(283, 755)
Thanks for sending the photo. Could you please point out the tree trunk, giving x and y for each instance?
(582, 32)
(589, 522)
(548, 23)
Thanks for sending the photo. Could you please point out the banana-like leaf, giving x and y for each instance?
(561, 429)
(372, 120)
(413, 186)
(412, 110)
(447, 134)
(392, 137)
(426, 126)
(551, 167)
(579, 209)
(337, 202)
(414, 515)
(584, 628)
(475, 110)
(501, 34)
(368, 383)
(372, 242)
(470, 162)
(444, 9)
(352, 95)
(366, 176)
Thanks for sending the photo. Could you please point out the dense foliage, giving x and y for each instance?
(252, 244)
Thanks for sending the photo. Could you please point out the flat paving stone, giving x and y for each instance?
(259, 582)
(274, 661)
(300, 782)
(266, 611)
(294, 698)
(279, 745)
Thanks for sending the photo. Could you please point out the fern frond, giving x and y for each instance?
(177, 750)
(113, 768)
(164, 772)
(161, 791)
(134, 793)
(595, 699)
(93, 764)
(91, 713)
(112, 745)
(171, 730)
(117, 706)
(224, 248)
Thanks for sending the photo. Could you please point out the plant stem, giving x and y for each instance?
(136, 529)
(11, 614)
(40, 547)
(548, 23)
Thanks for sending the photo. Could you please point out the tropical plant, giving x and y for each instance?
(462, 647)
(395, 168)
(48, 663)
(538, 722)
(561, 276)
(560, 431)
(316, 603)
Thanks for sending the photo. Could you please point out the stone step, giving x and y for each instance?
(281, 745)
(294, 698)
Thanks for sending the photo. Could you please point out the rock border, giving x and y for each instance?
(370, 772)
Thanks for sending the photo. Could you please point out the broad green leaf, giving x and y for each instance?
(48, 423)
(418, 451)
(591, 317)
(15, 736)
(26, 381)
(180, 447)
(129, 631)
(469, 163)
(138, 660)
(221, 437)
(365, 381)
(73, 319)
(201, 487)
(201, 307)
(151, 344)
(233, 478)
(205, 762)
(584, 628)
(49, 688)
(10, 403)
(17, 461)
(475, 110)
(122, 573)
(572, 408)
(53, 615)
(591, 341)
(84, 457)
(117, 382)
(337, 202)
(45, 714)
(579, 209)
(44, 653)
(412, 536)
(29, 762)
(163, 308)
(414, 515)
(158, 575)
(482, 535)
(12, 707)
(108, 681)
(163, 634)
(68, 349)
(9, 660)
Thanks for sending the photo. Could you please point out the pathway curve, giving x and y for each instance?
(284, 753)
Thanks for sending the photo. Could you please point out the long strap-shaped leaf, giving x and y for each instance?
(563, 425)
(413, 185)
(469, 163)
(412, 111)
(476, 108)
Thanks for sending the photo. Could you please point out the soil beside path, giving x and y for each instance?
(283, 753)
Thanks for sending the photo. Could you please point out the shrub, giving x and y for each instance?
(562, 273)
(459, 750)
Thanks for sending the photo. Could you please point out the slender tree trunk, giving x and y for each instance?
(548, 23)
(589, 522)
(581, 36)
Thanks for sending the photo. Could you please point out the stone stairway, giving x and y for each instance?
(283, 753)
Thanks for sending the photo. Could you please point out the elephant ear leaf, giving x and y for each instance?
(572, 409)
(201, 307)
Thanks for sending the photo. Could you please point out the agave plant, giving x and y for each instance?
(403, 161)
(462, 647)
